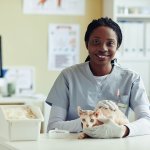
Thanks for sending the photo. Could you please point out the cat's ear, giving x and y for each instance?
(96, 113)
(79, 110)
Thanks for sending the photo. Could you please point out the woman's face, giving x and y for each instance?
(102, 45)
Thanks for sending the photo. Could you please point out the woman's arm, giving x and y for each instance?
(140, 104)
(142, 125)
(57, 120)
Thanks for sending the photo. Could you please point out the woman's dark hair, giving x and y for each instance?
(108, 22)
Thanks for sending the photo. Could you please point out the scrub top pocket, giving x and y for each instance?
(123, 103)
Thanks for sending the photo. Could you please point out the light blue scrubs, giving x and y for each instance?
(77, 86)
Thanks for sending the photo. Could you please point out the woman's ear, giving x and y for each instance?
(118, 45)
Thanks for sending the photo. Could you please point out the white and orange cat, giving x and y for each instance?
(89, 118)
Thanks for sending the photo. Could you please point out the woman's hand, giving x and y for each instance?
(107, 130)
(126, 132)
(107, 104)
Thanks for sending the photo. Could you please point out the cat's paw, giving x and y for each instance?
(82, 136)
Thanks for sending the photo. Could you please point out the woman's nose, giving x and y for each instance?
(103, 48)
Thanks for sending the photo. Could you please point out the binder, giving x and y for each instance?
(140, 40)
(147, 40)
(133, 40)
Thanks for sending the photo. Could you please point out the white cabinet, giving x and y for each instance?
(133, 16)
(127, 9)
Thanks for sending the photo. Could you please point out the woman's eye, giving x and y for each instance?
(92, 120)
(95, 42)
(110, 43)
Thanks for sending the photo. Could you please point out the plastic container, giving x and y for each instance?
(58, 134)
(19, 127)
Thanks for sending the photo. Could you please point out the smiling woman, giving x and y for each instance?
(97, 80)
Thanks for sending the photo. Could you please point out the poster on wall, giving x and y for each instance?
(63, 46)
(54, 7)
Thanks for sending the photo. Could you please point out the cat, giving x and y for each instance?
(89, 118)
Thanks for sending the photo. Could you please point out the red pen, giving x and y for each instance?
(118, 95)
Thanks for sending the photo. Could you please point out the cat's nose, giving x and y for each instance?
(87, 125)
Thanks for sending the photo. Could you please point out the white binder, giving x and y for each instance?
(147, 39)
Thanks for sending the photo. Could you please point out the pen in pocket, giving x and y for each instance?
(118, 96)
(119, 103)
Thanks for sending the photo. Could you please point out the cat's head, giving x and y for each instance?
(88, 117)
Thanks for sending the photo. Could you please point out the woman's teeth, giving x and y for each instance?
(101, 56)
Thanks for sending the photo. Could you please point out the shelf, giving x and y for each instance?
(142, 59)
(133, 18)
(140, 16)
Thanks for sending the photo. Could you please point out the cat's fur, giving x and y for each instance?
(89, 118)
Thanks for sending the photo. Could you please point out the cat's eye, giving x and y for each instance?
(92, 120)
(83, 120)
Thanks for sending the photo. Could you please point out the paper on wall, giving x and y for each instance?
(55, 7)
(63, 46)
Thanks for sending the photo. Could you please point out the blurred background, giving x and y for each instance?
(25, 38)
